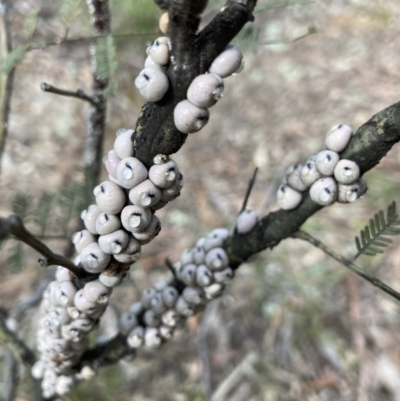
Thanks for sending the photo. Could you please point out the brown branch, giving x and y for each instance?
(78, 94)
(347, 263)
(367, 147)
(155, 129)
(17, 229)
(6, 86)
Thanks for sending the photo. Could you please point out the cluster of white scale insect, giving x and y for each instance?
(192, 114)
(122, 220)
(326, 176)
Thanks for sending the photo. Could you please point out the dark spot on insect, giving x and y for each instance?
(106, 217)
(102, 189)
(340, 126)
(327, 190)
(146, 77)
(94, 255)
(329, 157)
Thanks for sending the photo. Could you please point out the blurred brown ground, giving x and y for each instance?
(293, 325)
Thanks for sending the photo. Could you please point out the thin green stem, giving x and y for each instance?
(347, 263)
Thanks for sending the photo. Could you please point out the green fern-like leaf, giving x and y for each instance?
(31, 22)
(14, 58)
(68, 11)
(106, 61)
(374, 236)
(43, 211)
(247, 38)
(22, 205)
(16, 259)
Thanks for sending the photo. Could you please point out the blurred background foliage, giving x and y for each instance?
(293, 325)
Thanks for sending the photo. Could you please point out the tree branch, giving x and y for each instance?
(17, 229)
(155, 129)
(367, 147)
(347, 263)
(6, 86)
(79, 94)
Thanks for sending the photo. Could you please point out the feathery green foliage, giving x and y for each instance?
(14, 58)
(16, 258)
(374, 235)
(31, 22)
(68, 11)
(247, 38)
(22, 205)
(106, 61)
(43, 211)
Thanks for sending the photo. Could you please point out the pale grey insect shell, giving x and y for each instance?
(107, 223)
(152, 84)
(214, 290)
(228, 62)
(93, 259)
(170, 317)
(205, 90)
(137, 308)
(111, 161)
(293, 177)
(60, 315)
(193, 295)
(113, 281)
(145, 194)
(63, 274)
(152, 337)
(171, 193)
(135, 337)
(127, 322)
(199, 255)
(309, 173)
(150, 63)
(89, 217)
(189, 118)
(83, 238)
(288, 198)
(217, 259)
(346, 172)
(114, 242)
(65, 293)
(131, 172)
(159, 285)
(164, 175)
(338, 137)
(324, 191)
(349, 193)
(223, 276)
(170, 295)
(326, 162)
(150, 231)
(184, 308)
(135, 218)
(83, 304)
(246, 221)
(110, 197)
(204, 276)
(157, 304)
(147, 295)
(187, 273)
(187, 256)
(95, 291)
(123, 145)
(151, 318)
(166, 332)
(131, 253)
(159, 52)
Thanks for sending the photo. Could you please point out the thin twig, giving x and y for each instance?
(347, 263)
(11, 376)
(85, 39)
(18, 230)
(18, 347)
(79, 94)
(248, 190)
(6, 86)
